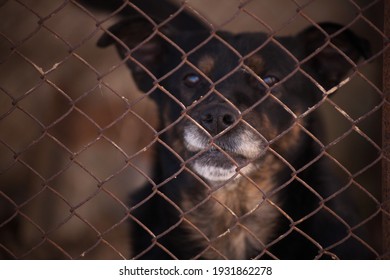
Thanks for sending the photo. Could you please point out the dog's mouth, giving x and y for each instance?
(219, 158)
(222, 158)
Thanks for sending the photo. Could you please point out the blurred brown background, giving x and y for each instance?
(75, 132)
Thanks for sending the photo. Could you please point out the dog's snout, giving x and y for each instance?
(217, 118)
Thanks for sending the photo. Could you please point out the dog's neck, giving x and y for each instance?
(237, 219)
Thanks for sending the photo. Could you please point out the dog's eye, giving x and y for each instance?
(270, 80)
(191, 80)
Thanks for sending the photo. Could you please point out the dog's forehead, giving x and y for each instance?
(231, 50)
(208, 63)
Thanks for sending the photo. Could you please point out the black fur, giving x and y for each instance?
(270, 87)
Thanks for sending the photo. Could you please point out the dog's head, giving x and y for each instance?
(230, 97)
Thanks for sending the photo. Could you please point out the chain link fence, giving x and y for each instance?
(77, 137)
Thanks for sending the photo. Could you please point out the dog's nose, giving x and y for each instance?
(217, 118)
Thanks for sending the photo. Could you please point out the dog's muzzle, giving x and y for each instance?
(229, 153)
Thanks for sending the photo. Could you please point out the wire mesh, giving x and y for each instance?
(385, 137)
(78, 138)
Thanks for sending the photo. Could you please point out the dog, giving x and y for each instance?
(240, 172)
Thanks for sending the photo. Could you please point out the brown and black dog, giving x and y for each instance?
(240, 172)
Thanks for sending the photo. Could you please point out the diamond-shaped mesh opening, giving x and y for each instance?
(74, 122)
(62, 237)
(204, 130)
(99, 152)
(370, 152)
(44, 150)
(57, 49)
(15, 29)
(31, 77)
(76, 31)
(45, 92)
(19, 137)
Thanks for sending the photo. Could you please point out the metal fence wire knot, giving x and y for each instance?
(227, 129)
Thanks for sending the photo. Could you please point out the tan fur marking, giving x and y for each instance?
(268, 128)
(291, 138)
(206, 64)
(256, 63)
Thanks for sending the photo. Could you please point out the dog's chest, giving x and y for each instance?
(234, 222)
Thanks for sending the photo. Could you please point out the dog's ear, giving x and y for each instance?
(330, 66)
(138, 43)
